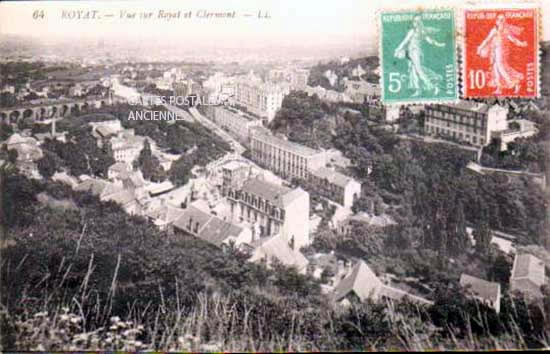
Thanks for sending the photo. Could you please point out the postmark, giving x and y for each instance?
(501, 51)
(418, 56)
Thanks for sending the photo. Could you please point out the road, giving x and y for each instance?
(180, 112)
(237, 147)
(195, 116)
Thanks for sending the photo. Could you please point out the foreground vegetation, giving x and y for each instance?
(88, 276)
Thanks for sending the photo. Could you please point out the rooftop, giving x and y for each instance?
(284, 144)
(216, 231)
(93, 186)
(18, 139)
(190, 217)
(362, 281)
(398, 294)
(332, 176)
(529, 267)
(166, 213)
(277, 247)
(469, 106)
(210, 228)
(122, 197)
(119, 167)
(479, 287)
(277, 195)
(375, 220)
(234, 165)
(156, 188)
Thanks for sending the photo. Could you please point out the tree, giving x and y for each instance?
(456, 227)
(47, 165)
(500, 270)
(149, 164)
(514, 126)
(482, 236)
(12, 156)
(7, 99)
(5, 131)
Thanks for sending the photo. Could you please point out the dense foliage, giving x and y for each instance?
(100, 263)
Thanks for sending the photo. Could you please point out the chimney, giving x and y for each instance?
(348, 267)
(340, 267)
(292, 243)
(196, 229)
(190, 223)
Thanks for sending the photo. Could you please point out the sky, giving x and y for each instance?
(291, 21)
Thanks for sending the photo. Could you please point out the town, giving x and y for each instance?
(300, 166)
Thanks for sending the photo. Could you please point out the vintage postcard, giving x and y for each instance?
(279, 176)
(418, 56)
(501, 48)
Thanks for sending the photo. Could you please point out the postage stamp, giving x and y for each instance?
(501, 51)
(418, 56)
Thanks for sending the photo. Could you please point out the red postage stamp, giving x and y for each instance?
(501, 51)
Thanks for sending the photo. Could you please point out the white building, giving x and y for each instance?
(282, 156)
(126, 146)
(528, 276)
(106, 128)
(296, 78)
(274, 209)
(526, 130)
(259, 98)
(335, 186)
(467, 121)
(485, 291)
(360, 90)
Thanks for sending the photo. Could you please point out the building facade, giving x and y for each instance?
(126, 146)
(284, 157)
(296, 78)
(261, 99)
(272, 209)
(528, 276)
(237, 123)
(470, 122)
(335, 186)
(482, 290)
(234, 174)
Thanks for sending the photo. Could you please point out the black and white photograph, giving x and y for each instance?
(227, 176)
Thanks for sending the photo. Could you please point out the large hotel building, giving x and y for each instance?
(272, 209)
(284, 157)
(261, 99)
(466, 121)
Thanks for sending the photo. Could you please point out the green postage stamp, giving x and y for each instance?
(418, 56)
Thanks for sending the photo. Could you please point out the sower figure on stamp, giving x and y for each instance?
(420, 77)
(496, 47)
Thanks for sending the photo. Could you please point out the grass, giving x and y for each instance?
(223, 322)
